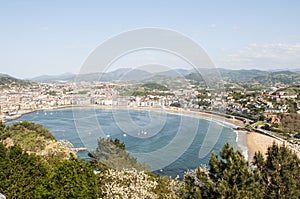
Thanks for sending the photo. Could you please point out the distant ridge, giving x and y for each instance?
(129, 74)
(7, 80)
(49, 78)
(122, 74)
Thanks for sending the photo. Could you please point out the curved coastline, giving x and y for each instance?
(247, 142)
(241, 137)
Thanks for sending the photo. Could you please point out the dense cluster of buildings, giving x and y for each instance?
(19, 100)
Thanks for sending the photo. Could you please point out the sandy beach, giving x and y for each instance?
(259, 142)
(248, 142)
(230, 122)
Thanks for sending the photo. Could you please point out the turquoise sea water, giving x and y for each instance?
(171, 143)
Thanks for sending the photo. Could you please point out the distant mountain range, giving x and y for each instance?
(49, 78)
(122, 74)
(7, 80)
(128, 74)
(258, 76)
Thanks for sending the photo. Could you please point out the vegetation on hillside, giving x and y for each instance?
(151, 88)
(112, 153)
(7, 81)
(257, 77)
(30, 176)
(280, 172)
(146, 89)
(33, 138)
(228, 175)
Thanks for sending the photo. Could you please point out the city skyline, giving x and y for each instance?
(51, 38)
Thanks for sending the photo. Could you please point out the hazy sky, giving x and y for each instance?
(54, 37)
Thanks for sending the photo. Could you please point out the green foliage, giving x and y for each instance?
(53, 93)
(275, 125)
(166, 186)
(154, 86)
(251, 79)
(231, 177)
(72, 179)
(292, 106)
(2, 127)
(30, 136)
(117, 143)
(112, 154)
(139, 92)
(237, 96)
(26, 126)
(151, 88)
(280, 171)
(228, 177)
(27, 176)
(262, 118)
(21, 174)
(7, 81)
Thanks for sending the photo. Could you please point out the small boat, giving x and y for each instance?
(144, 132)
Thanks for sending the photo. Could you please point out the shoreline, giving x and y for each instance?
(217, 118)
(248, 142)
(260, 142)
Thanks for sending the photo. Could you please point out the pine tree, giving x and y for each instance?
(281, 171)
(72, 179)
(228, 177)
(21, 174)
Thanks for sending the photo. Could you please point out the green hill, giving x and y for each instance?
(252, 76)
(149, 88)
(33, 138)
(7, 81)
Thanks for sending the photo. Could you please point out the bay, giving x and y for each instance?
(143, 132)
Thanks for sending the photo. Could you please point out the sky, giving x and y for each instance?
(55, 37)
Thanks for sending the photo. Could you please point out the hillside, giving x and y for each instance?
(25, 174)
(254, 76)
(121, 74)
(7, 81)
(33, 138)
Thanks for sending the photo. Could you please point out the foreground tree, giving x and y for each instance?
(30, 176)
(21, 174)
(227, 177)
(72, 179)
(112, 154)
(280, 171)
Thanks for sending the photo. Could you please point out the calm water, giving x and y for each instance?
(170, 143)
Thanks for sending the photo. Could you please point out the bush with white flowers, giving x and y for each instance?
(127, 183)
